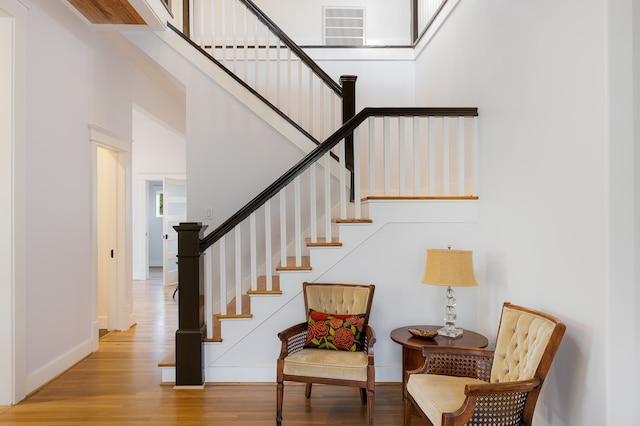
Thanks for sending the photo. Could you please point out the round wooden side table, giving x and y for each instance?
(412, 346)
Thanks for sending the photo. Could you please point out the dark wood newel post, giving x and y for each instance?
(348, 83)
(191, 326)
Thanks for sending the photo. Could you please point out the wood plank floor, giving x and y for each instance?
(119, 385)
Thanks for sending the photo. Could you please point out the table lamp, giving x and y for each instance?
(450, 268)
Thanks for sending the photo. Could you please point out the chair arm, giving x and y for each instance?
(293, 339)
(461, 362)
(369, 341)
(501, 388)
(491, 403)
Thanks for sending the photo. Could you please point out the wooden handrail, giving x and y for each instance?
(315, 155)
(276, 30)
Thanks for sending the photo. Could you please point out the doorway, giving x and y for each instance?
(112, 298)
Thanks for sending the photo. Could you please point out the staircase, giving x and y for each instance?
(240, 283)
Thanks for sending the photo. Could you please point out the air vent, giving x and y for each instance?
(343, 26)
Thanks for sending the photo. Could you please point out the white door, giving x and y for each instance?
(174, 211)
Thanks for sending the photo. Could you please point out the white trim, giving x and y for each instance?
(13, 310)
(43, 375)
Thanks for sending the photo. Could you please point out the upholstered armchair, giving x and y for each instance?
(484, 387)
(334, 346)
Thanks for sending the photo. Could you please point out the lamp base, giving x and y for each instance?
(450, 331)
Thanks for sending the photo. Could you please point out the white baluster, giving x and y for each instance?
(278, 74)
(212, 22)
(401, 157)
(288, 109)
(476, 170)
(223, 275)
(300, 109)
(432, 156)
(310, 95)
(234, 37)
(267, 62)
(283, 228)
(267, 240)
(387, 156)
(356, 173)
(256, 54)
(208, 291)
(372, 156)
(327, 196)
(446, 165)
(461, 157)
(313, 191)
(245, 55)
(297, 236)
(238, 257)
(253, 248)
(321, 107)
(223, 32)
(343, 178)
(416, 156)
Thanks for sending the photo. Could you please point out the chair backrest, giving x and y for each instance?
(338, 298)
(526, 344)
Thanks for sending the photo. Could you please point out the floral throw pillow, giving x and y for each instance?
(337, 332)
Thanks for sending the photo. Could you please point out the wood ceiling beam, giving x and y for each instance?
(108, 11)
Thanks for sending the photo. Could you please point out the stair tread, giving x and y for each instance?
(262, 286)
(169, 360)
(352, 220)
(291, 264)
(322, 242)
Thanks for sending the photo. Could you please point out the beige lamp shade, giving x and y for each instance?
(449, 268)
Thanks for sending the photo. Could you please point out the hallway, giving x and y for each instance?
(119, 384)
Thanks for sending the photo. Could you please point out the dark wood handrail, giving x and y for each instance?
(315, 155)
(294, 47)
(280, 34)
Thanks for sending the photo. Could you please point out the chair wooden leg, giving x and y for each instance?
(370, 406)
(279, 397)
(363, 395)
(407, 412)
(307, 391)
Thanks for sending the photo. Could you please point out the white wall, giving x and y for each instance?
(382, 81)
(538, 74)
(386, 22)
(75, 78)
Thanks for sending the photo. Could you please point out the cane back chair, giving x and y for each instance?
(338, 318)
(458, 386)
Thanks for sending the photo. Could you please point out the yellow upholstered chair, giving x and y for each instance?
(484, 387)
(334, 346)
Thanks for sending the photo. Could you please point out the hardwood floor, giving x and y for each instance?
(119, 384)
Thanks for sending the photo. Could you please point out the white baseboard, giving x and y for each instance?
(58, 366)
